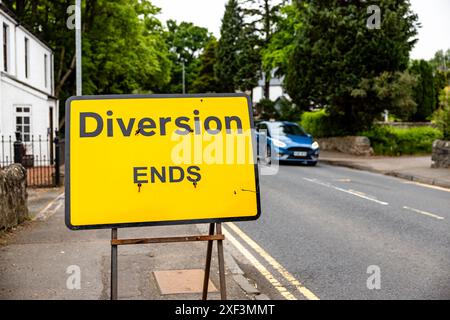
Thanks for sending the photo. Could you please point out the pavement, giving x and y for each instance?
(38, 257)
(414, 168)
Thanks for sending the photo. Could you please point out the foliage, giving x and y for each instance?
(441, 117)
(227, 54)
(186, 42)
(124, 51)
(288, 111)
(391, 141)
(276, 55)
(391, 91)
(424, 94)
(335, 55)
(440, 81)
(206, 80)
(266, 109)
(248, 60)
(441, 60)
(321, 124)
(123, 48)
(262, 17)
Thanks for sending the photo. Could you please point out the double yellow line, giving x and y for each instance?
(271, 261)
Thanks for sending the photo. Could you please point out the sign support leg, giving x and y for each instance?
(208, 262)
(223, 289)
(113, 265)
(211, 237)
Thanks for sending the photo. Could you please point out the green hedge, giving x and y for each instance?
(391, 141)
(385, 140)
(320, 124)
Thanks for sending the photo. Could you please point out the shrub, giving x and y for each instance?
(266, 108)
(320, 124)
(441, 117)
(288, 111)
(391, 141)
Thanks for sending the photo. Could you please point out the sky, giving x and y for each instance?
(433, 15)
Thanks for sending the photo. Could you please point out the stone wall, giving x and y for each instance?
(355, 145)
(441, 154)
(13, 196)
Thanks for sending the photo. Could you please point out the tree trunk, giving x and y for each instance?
(267, 25)
(266, 87)
(65, 77)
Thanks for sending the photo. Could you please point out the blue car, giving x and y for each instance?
(286, 141)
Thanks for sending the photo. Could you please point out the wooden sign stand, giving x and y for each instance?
(217, 236)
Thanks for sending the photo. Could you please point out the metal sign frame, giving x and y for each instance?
(154, 223)
(211, 237)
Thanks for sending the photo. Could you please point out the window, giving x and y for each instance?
(284, 129)
(26, 56)
(45, 69)
(5, 46)
(23, 122)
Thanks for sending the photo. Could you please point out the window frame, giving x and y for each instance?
(5, 46)
(23, 114)
(27, 56)
(45, 70)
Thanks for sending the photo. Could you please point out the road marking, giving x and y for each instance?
(344, 180)
(424, 213)
(45, 213)
(427, 186)
(263, 270)
(352, 192)
(275, 264)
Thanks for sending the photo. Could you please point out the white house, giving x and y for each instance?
(276, 90)
(27, 104)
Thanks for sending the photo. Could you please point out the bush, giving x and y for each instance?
(321, 125)
(391, 141)
(441, 117)
(266, 108)
(288, 110)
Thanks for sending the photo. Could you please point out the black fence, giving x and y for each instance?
(40, 156)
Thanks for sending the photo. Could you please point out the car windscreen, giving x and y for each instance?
(284, 129)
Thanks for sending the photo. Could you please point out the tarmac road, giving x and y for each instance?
(333, 228)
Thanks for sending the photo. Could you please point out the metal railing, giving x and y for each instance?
(36, 155)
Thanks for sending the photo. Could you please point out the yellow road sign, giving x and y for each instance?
(135, 160)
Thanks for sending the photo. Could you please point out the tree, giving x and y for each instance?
(276, 55)
(123, 48)
(440, 82)
(335, 55)
(248, 60)
(227, 54)
(441, 116)
(264, 16)
(441, 69)
(441, 60)
(206, 80)
(424, 94)
(186, 42)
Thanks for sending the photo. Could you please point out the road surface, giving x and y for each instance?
(331, 229)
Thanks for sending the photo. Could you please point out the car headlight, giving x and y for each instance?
(315, 145)
(278, 143)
